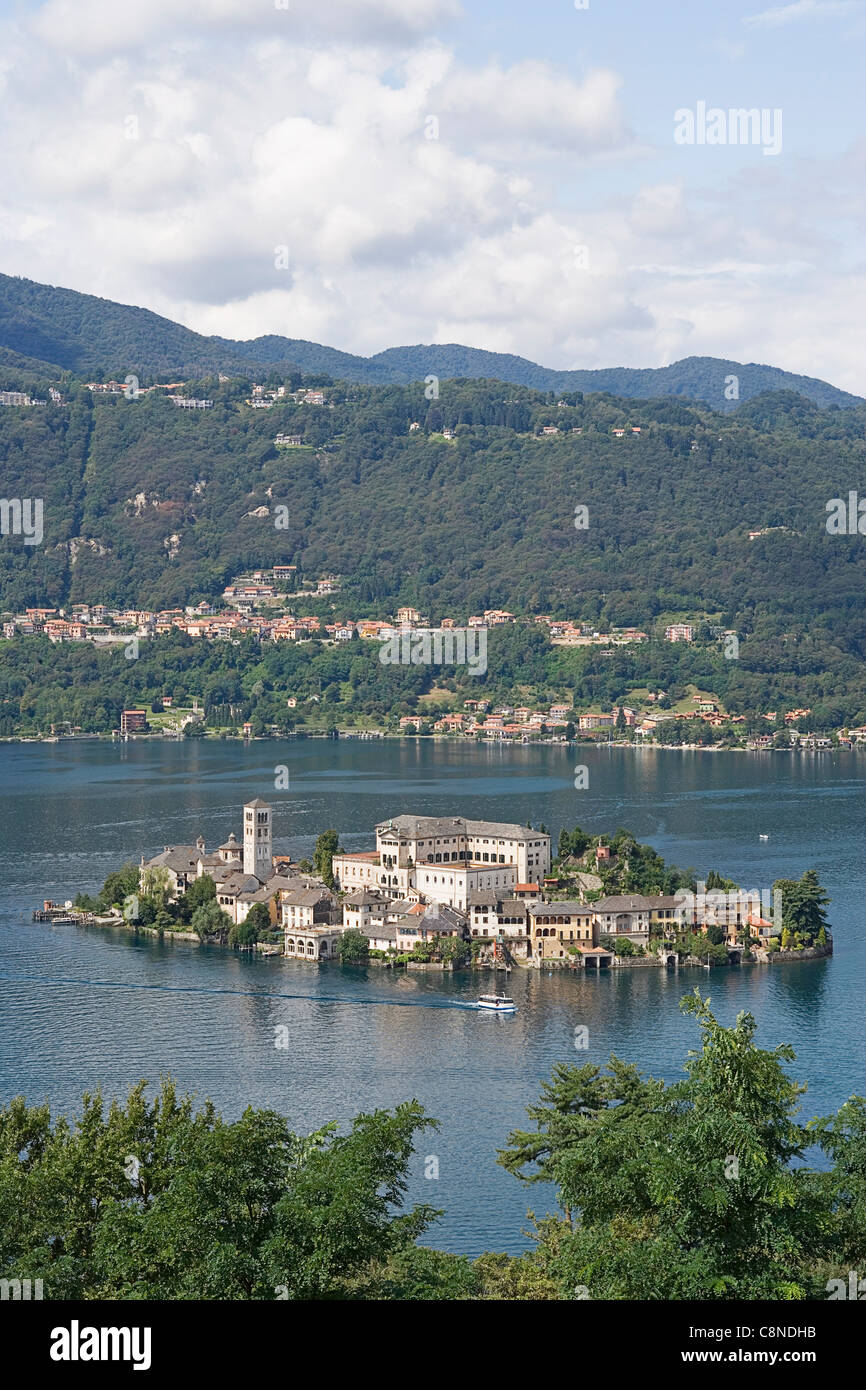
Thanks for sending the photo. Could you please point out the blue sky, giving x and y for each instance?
(809, 59)
(430, 170)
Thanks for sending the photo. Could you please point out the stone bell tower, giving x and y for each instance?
(258, 848)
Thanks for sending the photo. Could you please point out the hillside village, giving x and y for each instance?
(261, 605)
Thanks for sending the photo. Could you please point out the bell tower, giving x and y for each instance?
(258, 848)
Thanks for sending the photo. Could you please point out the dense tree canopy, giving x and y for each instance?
(700, 1189)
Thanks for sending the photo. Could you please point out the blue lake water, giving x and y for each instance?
(82, 1007)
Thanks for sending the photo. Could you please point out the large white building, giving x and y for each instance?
(446, 859)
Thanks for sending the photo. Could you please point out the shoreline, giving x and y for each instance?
(365, 736)
(539, 965)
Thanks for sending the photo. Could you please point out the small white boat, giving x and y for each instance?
(763, 837)
(497, 1003)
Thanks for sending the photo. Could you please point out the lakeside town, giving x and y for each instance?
(261, 605)
(449, 891)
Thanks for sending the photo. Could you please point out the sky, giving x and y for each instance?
(561, 180)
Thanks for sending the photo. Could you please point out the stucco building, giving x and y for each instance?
(446, 859)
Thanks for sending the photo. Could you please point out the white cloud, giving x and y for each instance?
(801, 9)
(93, 28)
(170, 173)
(517, 112)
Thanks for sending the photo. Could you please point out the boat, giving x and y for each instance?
(497, 1003)
(763, 837)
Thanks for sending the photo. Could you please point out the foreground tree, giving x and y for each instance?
(699, 1190)
(162, 1201)
(696, 1190)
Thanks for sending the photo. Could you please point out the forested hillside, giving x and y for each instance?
(42, 326)
(150, 506)
(346, 684)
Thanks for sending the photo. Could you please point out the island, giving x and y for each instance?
(452, 892)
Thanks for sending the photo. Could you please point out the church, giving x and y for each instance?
(242, 870)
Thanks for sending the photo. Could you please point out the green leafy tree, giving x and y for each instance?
(201, 891)
(803, 906)
(84, 902)
(259, 918)
(510, 1280)
(157, 884)
(211, 923)
(572, 842)
(158, 1200)
(119, 885)
(695, 1190)
(452, 950)
(327, 846)
(163, 922)
(353, 947)
(243, 934)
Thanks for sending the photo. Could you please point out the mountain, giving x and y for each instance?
(153, 506)
(44, 329)
(717, 519)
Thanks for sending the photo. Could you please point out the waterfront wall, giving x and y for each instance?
(780, 957)
(759, 957)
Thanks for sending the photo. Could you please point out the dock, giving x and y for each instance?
(60, 916)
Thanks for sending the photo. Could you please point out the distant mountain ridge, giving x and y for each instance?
(44, 327)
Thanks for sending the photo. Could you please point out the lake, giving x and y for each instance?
(82, 1007)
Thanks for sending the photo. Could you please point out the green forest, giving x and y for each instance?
(153, 507)
(484, 520)
(340, 686)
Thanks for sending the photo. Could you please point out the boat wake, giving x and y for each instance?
(244, 993)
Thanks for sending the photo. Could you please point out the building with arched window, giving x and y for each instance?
(318, 944)
(447, 859)
(558, 929)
